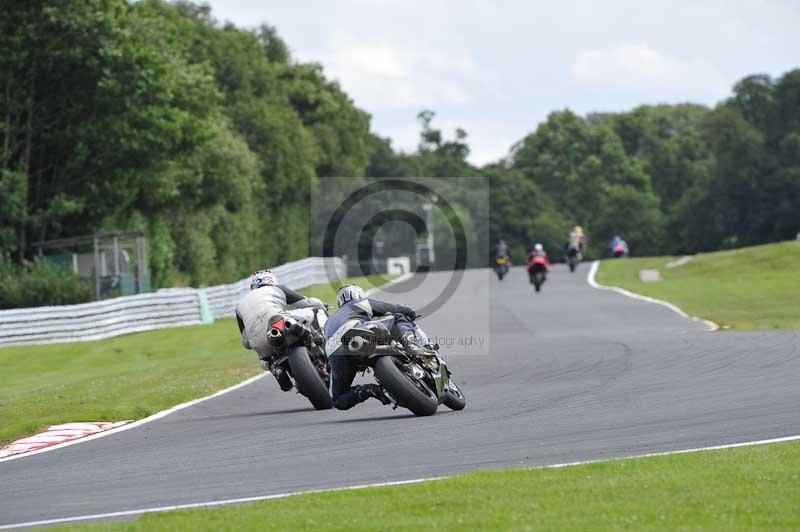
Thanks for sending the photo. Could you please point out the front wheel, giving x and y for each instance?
(410, 393)
(455, 398)
(308, 380)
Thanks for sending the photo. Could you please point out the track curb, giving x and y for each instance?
(134, 424)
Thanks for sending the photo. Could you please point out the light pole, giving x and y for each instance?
(428, 208)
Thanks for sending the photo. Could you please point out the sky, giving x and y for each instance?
(497, 69)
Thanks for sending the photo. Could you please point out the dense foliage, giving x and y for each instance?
(40, 283)
(668, 178)
(151, 115)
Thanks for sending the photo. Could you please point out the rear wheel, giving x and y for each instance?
(308, 380)
(410, 393)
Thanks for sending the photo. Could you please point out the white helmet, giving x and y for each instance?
(262, 278)
(350, 292)
(538, 248)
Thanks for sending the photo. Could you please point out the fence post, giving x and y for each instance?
(96, 269)
(205, 311)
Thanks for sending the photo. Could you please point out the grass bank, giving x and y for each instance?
(127, 377)
(749, 288)
(732, 489)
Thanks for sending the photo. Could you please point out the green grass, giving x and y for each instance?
(127, 377)
(749, 288)
(733, 489)
(327, 292)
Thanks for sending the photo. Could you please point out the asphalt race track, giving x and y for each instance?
(573, 373)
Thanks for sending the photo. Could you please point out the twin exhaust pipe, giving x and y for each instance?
(277, 336)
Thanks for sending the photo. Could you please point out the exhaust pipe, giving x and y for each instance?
(275, 337)
(356, 343)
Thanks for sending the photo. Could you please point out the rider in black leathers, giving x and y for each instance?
(355, 308)
(501, 249)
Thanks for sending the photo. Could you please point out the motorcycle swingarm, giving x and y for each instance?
(279, 359)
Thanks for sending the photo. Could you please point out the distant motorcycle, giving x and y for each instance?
(537, 272)
(501, 267)
(574, 257)
(619, 251)
(298, 349)
(419, 384)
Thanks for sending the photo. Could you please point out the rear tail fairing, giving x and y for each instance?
(290, 328)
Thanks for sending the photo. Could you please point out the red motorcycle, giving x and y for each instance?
(538, 266)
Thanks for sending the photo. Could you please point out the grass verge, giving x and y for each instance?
(127, 377)
(732, 489)
(749, 288)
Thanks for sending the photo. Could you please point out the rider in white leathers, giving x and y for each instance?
(253, 312)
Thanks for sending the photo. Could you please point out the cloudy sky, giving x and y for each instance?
(498, 68)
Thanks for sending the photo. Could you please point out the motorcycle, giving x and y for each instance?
(574, 257)
(298, 353)
(537, 272)
(619, 251)
(501, 267)
(411, 382)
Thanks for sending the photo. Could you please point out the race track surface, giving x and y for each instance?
(570, 374)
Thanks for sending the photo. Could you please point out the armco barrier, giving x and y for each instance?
(169, 307)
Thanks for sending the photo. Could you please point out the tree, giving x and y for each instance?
(582, 168)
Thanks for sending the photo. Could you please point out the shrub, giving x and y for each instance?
(40, 283)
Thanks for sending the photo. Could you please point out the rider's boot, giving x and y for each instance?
(365, 391)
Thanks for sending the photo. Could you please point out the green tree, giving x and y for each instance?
(583, 170)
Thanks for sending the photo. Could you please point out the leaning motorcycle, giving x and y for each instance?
(419, 384)
(501, 267)
(298, 351)
(537, 272)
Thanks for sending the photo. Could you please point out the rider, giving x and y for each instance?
(501, 250)
(577, 240)
(537, 252)
(265, 299)
(355, 308)
(619, 248)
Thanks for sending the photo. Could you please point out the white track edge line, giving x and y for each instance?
(134, 424)
(159, 415)
(679, 451)
(710, 325)
(211, 504)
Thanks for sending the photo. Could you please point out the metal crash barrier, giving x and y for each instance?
(170, 307)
